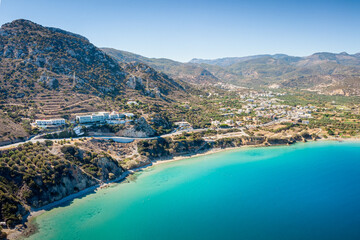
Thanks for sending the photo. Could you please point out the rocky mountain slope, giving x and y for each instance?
(326, 73)
(48, 72)
(33, 56)
(34, 59)
(185, 71)
(149, 81)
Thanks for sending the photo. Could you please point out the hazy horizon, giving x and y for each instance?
(224, 57)
(183, 30)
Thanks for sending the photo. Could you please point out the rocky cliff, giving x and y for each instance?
(168, 148)
(140, 129)
(34, 175)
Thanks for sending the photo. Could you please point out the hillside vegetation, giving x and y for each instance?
(185, 71)
(34, 175)
(50, 73)
(325, 73)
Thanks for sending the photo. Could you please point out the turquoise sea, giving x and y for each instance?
(303, 191)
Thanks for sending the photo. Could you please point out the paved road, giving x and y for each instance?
(115, 138)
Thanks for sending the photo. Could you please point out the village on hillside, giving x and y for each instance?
(258, 109)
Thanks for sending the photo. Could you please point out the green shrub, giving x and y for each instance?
(48, 143)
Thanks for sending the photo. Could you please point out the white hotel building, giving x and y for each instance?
(44, 123)
(99, 117)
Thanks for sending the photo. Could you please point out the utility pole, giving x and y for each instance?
(74, 80)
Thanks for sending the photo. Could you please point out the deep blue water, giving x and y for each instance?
(304, 191)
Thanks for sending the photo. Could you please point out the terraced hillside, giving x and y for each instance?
(48, 72)
(58, 106)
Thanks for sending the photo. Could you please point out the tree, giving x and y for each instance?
(48, 143)
(331, 132)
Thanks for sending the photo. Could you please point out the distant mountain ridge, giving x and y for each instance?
(224, 62)
(185, 71)
(328, 73)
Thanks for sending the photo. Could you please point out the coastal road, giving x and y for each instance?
(116, 139)
(107, 137)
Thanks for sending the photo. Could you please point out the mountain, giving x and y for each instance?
(149, 81)
(34, 56)
(224, 62)
(328, 73)
(341, 58)
(184, 71)
(48, 72)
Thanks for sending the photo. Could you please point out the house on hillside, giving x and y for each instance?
(78, 131)
(229, 122)
(215, 123)
(182, 124)
(132, 103)
(129, 115)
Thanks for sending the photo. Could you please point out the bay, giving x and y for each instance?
(303, 191)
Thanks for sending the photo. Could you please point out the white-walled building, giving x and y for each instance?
(132, 102)
(129, 115)
(115, 115)
(78, 131)
(182, 124)
(99, 117)
(116, 121)
(215, 123)
(42, 123)
(93, 118)
(229, 122)
(84, 119)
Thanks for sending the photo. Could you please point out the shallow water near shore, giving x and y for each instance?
(303, 191)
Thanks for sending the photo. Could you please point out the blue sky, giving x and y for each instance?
(182, 30)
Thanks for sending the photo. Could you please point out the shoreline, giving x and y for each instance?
(218, 150)
(30, 218)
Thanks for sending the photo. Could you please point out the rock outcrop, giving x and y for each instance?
(140, 129)
(168, 148)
